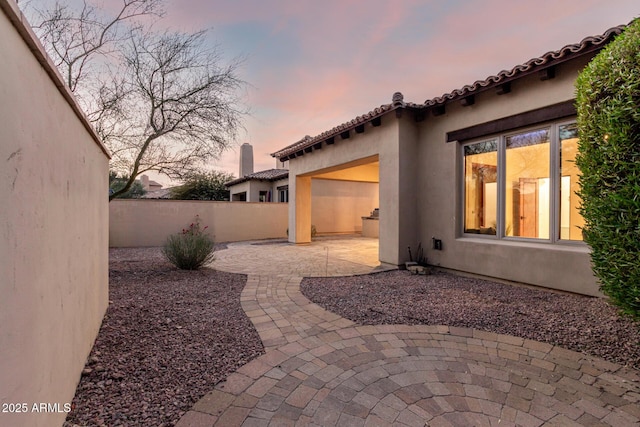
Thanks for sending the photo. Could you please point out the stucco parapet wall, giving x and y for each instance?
(19, 21)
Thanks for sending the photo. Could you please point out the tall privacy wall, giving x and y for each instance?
(149, 222)
(54, 228)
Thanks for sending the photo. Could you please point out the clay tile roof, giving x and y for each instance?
(308, 141)
(547, 60)
(266, 175)
(551, 58)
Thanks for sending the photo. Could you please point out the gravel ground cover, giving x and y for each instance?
(169, 335)
(167, 338)
(579, 323)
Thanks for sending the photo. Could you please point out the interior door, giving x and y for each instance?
(528, 207)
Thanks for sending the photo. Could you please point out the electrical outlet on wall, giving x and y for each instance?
(437, 244)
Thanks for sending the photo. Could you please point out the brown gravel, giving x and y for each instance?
(170, 335)
(579, 323)
(167, 338)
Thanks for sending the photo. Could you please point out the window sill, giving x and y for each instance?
(563, 246)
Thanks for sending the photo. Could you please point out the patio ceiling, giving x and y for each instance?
(361, 170)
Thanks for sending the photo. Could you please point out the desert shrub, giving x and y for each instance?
(608, 105)
(190, 249)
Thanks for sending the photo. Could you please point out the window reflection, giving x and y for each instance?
(528, 191)
(571, 222)
(481, 189)
(509, 185)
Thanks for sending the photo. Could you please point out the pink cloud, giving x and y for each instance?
(348, 57)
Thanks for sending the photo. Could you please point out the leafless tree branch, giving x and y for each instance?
(159, 101)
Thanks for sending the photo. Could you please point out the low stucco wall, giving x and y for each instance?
(150, 222)
(53, 222)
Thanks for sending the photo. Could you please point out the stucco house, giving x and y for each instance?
(482, 176)
(339, 204)
(271, 185)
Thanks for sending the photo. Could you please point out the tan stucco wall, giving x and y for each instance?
(149, 222)
(381, 145)
(560, 266)
(255, 187)
(420, 185)
(276, 184)
(338, 206)
(53, 222)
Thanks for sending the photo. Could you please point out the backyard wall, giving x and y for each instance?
(53, 222)
(149, 222)
(338, 206)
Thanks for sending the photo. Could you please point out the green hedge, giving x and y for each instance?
(608, 105)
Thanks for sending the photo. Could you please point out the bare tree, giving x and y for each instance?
(159, 101)
(176, 109)
(74, 39)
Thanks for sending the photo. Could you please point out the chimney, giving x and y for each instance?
(246, 160)
(144, 179)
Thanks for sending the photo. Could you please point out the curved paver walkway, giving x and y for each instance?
(323, 370)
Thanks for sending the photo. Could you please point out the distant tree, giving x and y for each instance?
(204, 186)
(116, 183)
(608, 104)
(159, 101)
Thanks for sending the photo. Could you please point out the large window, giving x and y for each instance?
(523, 185)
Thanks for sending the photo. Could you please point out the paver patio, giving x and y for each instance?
(323, 370)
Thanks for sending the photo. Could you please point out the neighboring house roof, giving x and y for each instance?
(163, 193)
(465, 94)
(266, 175)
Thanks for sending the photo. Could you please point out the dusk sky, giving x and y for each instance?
(312, 65)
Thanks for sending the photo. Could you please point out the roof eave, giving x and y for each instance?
(304, 146)
(547, 61)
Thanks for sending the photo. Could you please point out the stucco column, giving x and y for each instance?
(389, 201)
(398, 193)
(300, 221)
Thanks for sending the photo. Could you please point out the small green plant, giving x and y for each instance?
(190, 249)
